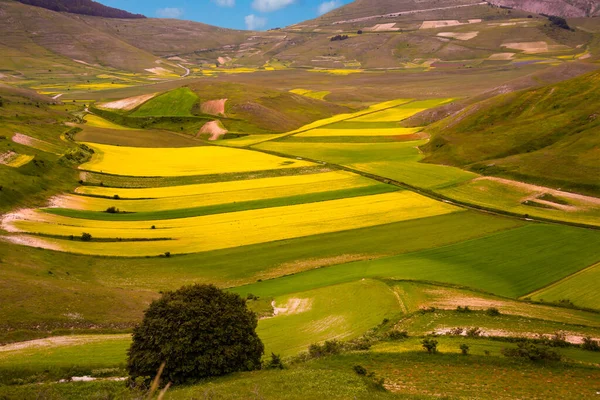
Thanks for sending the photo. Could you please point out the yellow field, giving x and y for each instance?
(220, 231)
(324, 132)
(402, 112)
(338, 71)
(180, 197)
(135, 161)
(247, 140)
(98, 122)
(19, 160)
(343, 117)
(311, 93)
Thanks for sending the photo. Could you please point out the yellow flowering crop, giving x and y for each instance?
(211, 232)
(190, 196)
(135, 161)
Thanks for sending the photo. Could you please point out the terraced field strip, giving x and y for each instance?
(224, 230)
(338, 311)
(36, 143)
(226, 207)
(510, 263)
(180, 197)
(325, 132)
(145, 182)
(401, 112)
(145, 162)
(342, 117)
(580, 288)
(99, 122)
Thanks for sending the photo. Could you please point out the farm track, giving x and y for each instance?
(430, 193)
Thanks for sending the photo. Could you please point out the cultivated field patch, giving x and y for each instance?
(133, 161)
(127, 104)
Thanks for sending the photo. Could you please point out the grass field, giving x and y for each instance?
(580, 288)
(539, 255)
(338, 311)
(175, 103)
(181, 161)
(326, 132)
(397, 161)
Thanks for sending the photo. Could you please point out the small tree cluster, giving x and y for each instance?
(492, 312)
(464, 309)
(86, 237)
(590, 344)
(559, 22)
(339, 37)
(275, 362)
(112, 210)
(397, 335)
(532, 351)
(430, 345)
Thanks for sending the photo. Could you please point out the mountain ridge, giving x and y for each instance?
(83, 7)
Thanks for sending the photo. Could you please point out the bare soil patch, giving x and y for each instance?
(459, 36)
(214, 129)
(528, 47)
(214, 107)
(127, 104)
(293, 306)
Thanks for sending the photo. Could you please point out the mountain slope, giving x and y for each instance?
(563, 8)
(86, 7)
(547, 135)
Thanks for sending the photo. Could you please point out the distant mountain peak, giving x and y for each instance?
(84, 7)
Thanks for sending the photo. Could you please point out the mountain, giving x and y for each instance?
(547, 135)
(85, 7)
(562, 8)
(363, 10)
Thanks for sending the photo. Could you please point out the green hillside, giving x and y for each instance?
(547, 136)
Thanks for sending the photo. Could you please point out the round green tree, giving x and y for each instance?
(197, 331)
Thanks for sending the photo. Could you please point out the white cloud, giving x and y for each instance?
(253, 22)
(270, 5)
(169, 13)
(327, 6)
(224, 3)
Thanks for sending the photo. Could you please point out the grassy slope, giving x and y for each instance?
(545, 135)
(34, 182)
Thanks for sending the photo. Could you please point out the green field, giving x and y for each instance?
(579, 288)
(511, 263)
(176, 103)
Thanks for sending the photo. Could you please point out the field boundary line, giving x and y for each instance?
(430, 193)
(558, 282)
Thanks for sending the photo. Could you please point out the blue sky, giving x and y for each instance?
(236, 14)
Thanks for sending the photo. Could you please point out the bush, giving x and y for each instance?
(474, 332)
(112, 210)
(430, 345)
(339, 37)
(458, 331)
(116, 197)
(464, 349)
(492, 312)
(559, 22)
(167, 254)
(330, 347)
(360, 370)
(397, 335)
(532, 351)
(275, 362)
(198, 331)
(86, 237)
(464, 309)
(590, 344)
